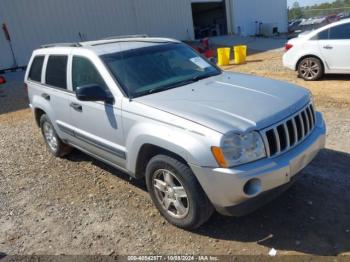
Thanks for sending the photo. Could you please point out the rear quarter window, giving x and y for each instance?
(324, 35)
(56, 71)
(340, 32)
(36, 69)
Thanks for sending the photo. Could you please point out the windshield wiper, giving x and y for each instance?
(178, 84)
(171, 86)
(200, 77)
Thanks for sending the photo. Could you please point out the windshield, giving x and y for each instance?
(157, 68)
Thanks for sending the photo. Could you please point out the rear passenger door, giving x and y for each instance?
(334, 44)
(98, 127)
(57, 94)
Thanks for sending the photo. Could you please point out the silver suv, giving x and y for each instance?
(203, 139)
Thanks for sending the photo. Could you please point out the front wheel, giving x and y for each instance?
(310, 69)
(176, 192)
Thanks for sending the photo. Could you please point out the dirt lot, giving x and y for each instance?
(78, 205)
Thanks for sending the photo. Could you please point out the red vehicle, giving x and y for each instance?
(2, 80)
(204, 48)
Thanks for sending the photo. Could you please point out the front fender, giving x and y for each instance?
(192, 146)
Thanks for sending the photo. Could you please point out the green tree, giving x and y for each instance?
(295, 12)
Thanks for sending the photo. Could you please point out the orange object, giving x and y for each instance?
(219, 156)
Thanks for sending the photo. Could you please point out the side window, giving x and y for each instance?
(56, 71)
(36, 68)
(85, 73)
(340, 32)
(324, 35)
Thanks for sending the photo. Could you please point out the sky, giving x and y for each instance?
(308, 2)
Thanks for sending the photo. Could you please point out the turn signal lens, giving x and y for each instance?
(219, 156)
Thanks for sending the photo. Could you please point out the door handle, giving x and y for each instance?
(328, 47)
(46, 96)
(76, 107)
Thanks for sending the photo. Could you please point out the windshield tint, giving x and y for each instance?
(157, 68)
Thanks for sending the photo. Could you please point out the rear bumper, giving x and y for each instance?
(289, 61)
(226, 188)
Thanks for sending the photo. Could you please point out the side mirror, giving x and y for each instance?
(93, 93)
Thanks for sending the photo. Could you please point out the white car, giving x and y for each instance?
(322, 51)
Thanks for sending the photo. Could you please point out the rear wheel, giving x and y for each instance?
(310, 69)
(176, 192)
(53, 142)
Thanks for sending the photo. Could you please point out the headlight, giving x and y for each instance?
(238, 149)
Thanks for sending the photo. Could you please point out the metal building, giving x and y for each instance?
(27, 24)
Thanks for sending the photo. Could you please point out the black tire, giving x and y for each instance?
(61, 149)
(199, 208)
(310, 69)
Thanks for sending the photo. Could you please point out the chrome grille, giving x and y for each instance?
(287, 134)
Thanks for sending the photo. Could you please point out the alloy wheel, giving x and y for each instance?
(170, 193)
(309, 69)
(50, 136)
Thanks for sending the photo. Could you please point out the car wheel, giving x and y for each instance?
(53, 142)
(310, 69)
(176, 192)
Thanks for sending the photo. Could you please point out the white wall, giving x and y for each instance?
(269, 12)
(35, 22)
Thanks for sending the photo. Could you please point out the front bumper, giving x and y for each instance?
(226, 187)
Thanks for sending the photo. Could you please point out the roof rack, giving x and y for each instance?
(61, 45)
(125, 36)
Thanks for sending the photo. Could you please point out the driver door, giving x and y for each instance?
(98, 127)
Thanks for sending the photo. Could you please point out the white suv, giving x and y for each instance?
(323, 51)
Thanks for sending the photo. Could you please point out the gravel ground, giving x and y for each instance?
(78, 205)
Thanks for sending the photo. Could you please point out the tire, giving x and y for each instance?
(188, 212)
(310, 69)
(53, 142)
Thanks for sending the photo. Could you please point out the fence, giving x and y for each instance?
(341, 12)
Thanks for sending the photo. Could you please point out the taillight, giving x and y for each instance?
(2, 80)
(288, 46)
(25, 88)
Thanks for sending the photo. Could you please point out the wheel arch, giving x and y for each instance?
(40, 107)
(38, 112)
(189, 147)
(147, 152)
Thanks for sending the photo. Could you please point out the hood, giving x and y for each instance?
(231, 102)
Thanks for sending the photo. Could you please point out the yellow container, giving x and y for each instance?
(240, 54)
(224, 55)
